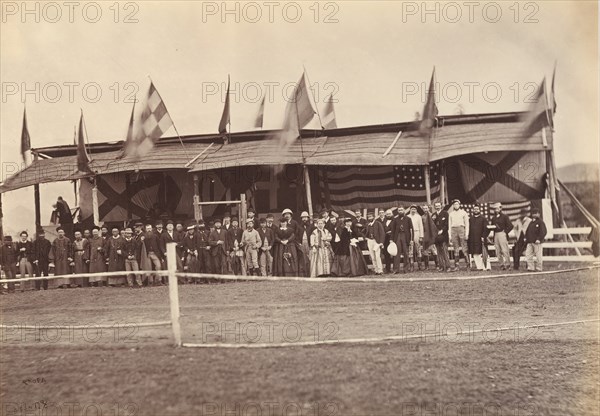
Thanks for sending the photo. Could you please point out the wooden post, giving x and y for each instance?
(427, 185)
(443, 183)
(173, 292)
(95, 205)
(197, 207)
(1, 222)
(36, 200)
(308, 192)
(243, 212)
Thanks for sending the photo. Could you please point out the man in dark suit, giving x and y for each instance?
(170, 236)
(218, 249)
(41, 258)
(440, 219)
(402, 234)
(265, 253)
(375, 236)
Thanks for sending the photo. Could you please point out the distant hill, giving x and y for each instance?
(579, 172)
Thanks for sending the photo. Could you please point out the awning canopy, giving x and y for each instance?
(360, 146)
(44, 171)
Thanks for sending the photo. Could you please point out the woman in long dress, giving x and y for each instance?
(285, 253)
(321, 255)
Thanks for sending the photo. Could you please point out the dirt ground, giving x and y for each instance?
(430, 370)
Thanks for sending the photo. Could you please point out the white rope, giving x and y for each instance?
(391, 338)
(80, 275)
(400, 278)
(91, 326)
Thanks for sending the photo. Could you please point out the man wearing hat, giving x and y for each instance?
(116, 257)
(305, 229)
(265, 257)
(251, 244)
(8, 261)
(226, 223)
(418, 234)
(170, 236)
(534, 237)
(388, 223)
(132, 251)
(203, 247)
(440, 219)
(41, 258)
(60, 256)
(151, 239)
(403, 235)
(190, 249)
(236, 263)
(458, 229)
(520, 228)
(97, 258)
(252, 216)
(218, 249)
(501, 225)
(375, 241)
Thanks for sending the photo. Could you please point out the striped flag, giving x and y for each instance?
(298, 113)
(537, 117)
(349, 187)
(258, 121)
(25, 140)
(154, 122)
(329, 121)
(512, 209)
(225, 117)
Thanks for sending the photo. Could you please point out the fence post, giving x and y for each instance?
(173, 292)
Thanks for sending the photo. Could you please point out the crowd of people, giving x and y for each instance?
(397, 241)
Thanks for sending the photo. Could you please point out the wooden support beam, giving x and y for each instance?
(197, 206)
(308, 191)
(427, 184)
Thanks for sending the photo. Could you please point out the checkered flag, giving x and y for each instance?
(154, 122)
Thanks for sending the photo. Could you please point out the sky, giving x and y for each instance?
(376, 59)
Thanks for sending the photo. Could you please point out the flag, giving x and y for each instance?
(298, 113)
(154, 122)
(25, 140)
(537, 117)
(424, 126)
(258, 121)
(512, 209)
(129, 141)
(329, 114)
(83, 159)
(225, 117)
(346, 187)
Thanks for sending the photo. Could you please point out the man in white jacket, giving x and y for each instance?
(417, 251)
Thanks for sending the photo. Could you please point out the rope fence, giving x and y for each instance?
(174, 322)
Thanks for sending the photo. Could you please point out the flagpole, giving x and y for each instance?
(87, 137)
(304, 167)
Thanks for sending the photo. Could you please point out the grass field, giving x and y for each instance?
(128, 370)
